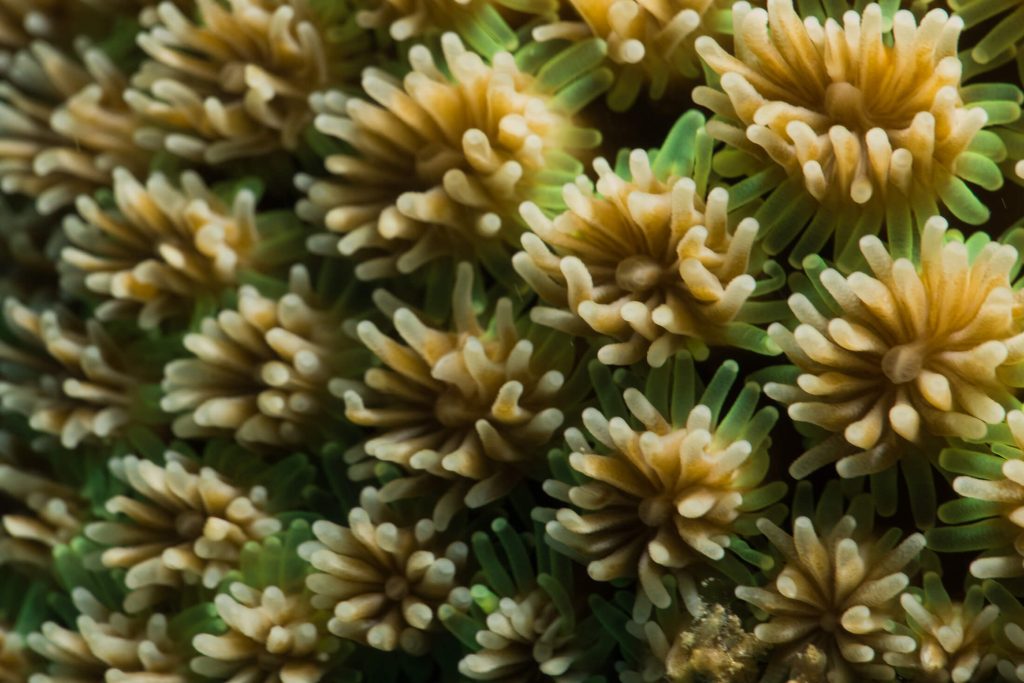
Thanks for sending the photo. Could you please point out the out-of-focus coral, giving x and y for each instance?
(60, 21)
(71, 382)
(233, 80)
(437, 163)
(65, 125)
(382, 579)
(23, 20)
(650, 44)
(14, 665)
(108, 646)
(162, 249)
(464, 410)
(487, 26)
(180, 524)
(52, 514)
(29, 249)
(654, 262)
(261, 370)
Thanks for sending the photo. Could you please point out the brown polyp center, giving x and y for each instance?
(903, 363)
(655, 511)
(396, 588)
(638, 273)
(828, 622)
(453, 409)
(189, 524)
(847, 106)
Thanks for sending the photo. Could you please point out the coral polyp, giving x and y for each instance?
(488, 26)
(443, 161)
(856, 112)
(919, 348)
(262, 370)
(384, 581)
(21, 21)
(988, 515)
(837, 590)
(68, 381)
(271, 631)
(163, 248)
(231, 84)
(183, 525)
(652, 261)
(468, 408)
(108, 644)
(12, 657)
(532, 628)
(659, 499)
(66, 125)
(1003, 33)
(50, 514)
(955, 638)
(520, 341)
(651, 45)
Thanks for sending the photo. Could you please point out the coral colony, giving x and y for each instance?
(581, 341)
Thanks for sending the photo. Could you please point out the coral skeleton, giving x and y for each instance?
(712, 646)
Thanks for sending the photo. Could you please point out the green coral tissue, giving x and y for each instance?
(511, 341)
